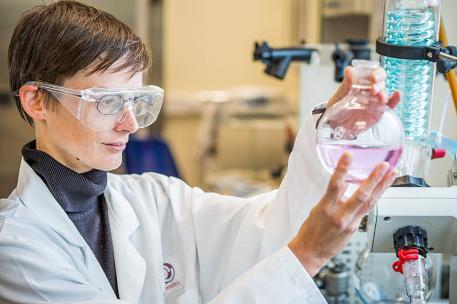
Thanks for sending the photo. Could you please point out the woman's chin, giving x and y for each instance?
(109, 163)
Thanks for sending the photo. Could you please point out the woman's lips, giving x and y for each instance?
(116, 147)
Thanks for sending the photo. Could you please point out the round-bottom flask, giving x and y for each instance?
(359, 124)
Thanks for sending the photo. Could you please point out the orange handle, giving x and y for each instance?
(451, 77)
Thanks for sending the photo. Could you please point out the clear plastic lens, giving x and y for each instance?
(106, 111)
(113, 104)
(142, 105)
(110, 104)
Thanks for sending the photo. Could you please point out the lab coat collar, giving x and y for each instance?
(130, 265)
(35, 195)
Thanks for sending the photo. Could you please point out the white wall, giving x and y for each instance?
(449, 12)
(208, 44)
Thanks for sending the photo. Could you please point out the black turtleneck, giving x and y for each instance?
(81, 197)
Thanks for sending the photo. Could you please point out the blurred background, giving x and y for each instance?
(225, 125)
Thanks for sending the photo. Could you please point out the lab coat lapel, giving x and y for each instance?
(130, 265)
(36, 196)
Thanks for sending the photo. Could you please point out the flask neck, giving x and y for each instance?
(362, 77)
(360, 88)
(360, 93)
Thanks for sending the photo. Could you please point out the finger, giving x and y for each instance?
(379, 75)
(382, 98)
(363, 194)
(337, 184)
(394, 100)
(344, 87)
(378, 87)
(348, 80)
(386, 182)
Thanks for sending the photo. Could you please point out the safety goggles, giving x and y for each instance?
(101, 109)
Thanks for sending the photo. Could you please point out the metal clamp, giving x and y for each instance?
(278, 59)
(444, 57)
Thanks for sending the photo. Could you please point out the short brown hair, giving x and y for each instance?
(55, 41)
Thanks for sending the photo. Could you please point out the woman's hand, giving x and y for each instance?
(333, 220)
(355, 119)
(377, 88)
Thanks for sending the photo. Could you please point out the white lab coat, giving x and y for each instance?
(172, 243)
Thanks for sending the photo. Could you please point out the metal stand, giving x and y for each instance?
(453, 280)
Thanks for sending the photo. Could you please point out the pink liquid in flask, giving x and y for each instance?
(364, 159)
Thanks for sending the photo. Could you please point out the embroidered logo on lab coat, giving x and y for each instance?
(172, 274)
(169, 272)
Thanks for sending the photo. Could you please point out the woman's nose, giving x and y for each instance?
(128, 121)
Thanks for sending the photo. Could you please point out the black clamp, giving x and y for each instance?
(444, 57)
(279, 59)
(446, 64)
(357, 49)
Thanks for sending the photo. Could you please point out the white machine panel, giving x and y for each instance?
(433, 209)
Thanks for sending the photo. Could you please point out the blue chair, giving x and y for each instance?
(149, 155)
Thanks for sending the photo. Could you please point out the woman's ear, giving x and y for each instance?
(32, 101)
